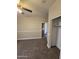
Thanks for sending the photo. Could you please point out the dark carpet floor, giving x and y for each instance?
(35, 49)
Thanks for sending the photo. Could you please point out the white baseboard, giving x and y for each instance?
(28, 38)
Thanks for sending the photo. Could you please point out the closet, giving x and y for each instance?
(57, 31)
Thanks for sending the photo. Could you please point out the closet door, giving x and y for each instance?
(57, 32)
(59, 35)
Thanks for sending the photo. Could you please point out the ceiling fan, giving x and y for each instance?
(21, 8)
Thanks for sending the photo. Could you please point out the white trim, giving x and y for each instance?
(27, 31)
(22, 56)
(28, 38)
(48, 46)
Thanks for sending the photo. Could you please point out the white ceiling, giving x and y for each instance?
(38, 7)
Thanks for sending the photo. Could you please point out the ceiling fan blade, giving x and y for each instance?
(26, 9)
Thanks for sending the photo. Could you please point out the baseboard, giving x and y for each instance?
(28, 38)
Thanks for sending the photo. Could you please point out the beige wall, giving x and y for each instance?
(55, 9)
(54, 12)
(29, 27)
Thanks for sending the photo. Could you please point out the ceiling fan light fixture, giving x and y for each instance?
(19, 10)
(18, 1)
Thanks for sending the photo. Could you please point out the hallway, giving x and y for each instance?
(35, 49)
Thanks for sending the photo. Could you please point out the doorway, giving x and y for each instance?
(44, 30)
